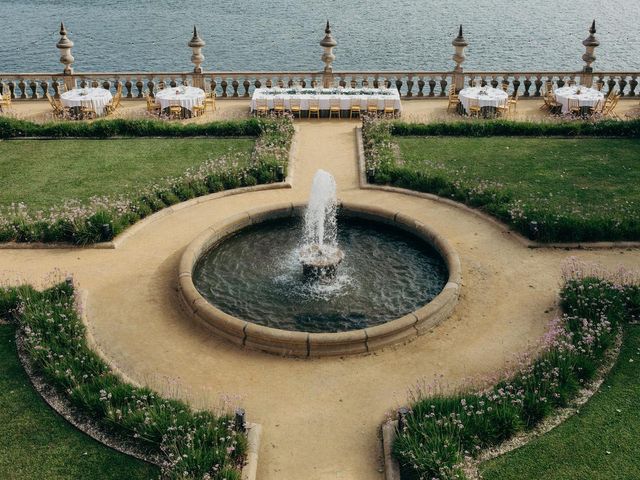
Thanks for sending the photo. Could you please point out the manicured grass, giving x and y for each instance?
(600, 442)
(585, 174)
(37, 443)
(44, 173)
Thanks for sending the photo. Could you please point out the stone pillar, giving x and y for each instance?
(328, 43)
(64, 45)
(458, 77)
(590, 43)
(196, 44)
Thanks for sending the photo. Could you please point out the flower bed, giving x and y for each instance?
(102, 218)
(542, 217)
(441, 430)
(192, 444)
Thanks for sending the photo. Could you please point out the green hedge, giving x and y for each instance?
(441, 430)
(101, 219)
(194, 444)
(14, 128)
(489, 128)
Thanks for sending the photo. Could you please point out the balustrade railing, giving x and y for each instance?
(238, 85)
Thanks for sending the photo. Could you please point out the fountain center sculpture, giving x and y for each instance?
(319, 254)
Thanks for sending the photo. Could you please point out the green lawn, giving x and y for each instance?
(600, 442)
(587, 173)
(44, 173)
(36, 443)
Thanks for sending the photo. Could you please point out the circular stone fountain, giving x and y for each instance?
(302, 280)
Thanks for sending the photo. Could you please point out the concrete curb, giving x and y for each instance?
(391, 466)
(250, 468)
(304, 344)
(504, 228)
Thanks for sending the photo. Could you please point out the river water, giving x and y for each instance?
(146, 35)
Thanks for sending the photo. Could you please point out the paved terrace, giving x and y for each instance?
(413, 110)
(320, 416)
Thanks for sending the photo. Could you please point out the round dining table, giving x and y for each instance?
(486, 97)
(586, 97)
(186, 97)
(95, 98)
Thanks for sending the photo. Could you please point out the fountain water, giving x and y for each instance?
(319, 254)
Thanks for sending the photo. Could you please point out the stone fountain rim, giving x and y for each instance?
(305, 344)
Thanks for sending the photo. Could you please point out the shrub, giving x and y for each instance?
(193, 444)
(442, 429)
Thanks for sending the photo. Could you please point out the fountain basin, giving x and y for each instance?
(302, 343)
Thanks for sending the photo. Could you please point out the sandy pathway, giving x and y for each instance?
(320, 416)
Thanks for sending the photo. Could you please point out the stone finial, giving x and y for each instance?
(460, 44)
(590, 43)
(64, 45)
(328, 43)
(196, 44)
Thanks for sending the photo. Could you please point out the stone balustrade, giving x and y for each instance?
(238, 85)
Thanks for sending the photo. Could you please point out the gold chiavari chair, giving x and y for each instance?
(152, 106)
(389, 107)
(175, 110)
(574, 106)
(334, 108)
(262, 107)
(294, 106)
(5, 102)
(198, 110)
(473, 110)
(87, 110)
(210, 100)
(513, 101)
(314, 108)
(372, 107)
(278, 105)
(454, 99)
(354, 107)
(503, 108)
(56, 106)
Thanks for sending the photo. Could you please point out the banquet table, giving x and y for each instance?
(325, 95)
(486, 96)
(98, 98)
(186, 97)
(588, 97)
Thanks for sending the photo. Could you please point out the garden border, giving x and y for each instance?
(504, 228)
(304, 344)
(91, 428)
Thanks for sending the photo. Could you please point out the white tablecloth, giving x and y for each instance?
(324, 97)
(491, 98)
(588, 96)
(187, 97)
(98, 97)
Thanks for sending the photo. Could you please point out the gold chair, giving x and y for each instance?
(175, 110)
(389, 107)
(294, 106)
(210, 100)
(513, 101)
(56, 106)
(503, 108)
(372, 107)
(505, 86)
(334, 108)
(354, 107)
(87, 110)
(278, 105)
(610, 105)
(5, 102)
(314, 108)
(198, 110)
(597, 108)
(574, 106)
(473, 110)
(152, 106)
(262, 108)
(454, 100)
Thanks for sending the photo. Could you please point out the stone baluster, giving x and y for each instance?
(33, 86)
(328, 43)
(257, 83)
(633, 83)
(128, 85)
(106, 84)
(399, 84)
(354, 82)
(12, 89)
(56, 88)
(432, 87)
(247, 85)
(516, 84)
(538, 84)
(611, 83)
(44, 86)
(172, 83)
(223, 86)
(622, 84)
(590, 43)
(65, 45)
(196, 43)
(443, 86)
(410, 86)
(494, 82)
(140, 87)
(235, 85)
(527, 85)
(83, 83)
(421, 87)
(459, 44)
(23, 89)
(151, 86)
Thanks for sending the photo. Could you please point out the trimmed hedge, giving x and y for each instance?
(192, 444)
(441, 430)
(14, 128)
(101, 219)
(489, 128)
